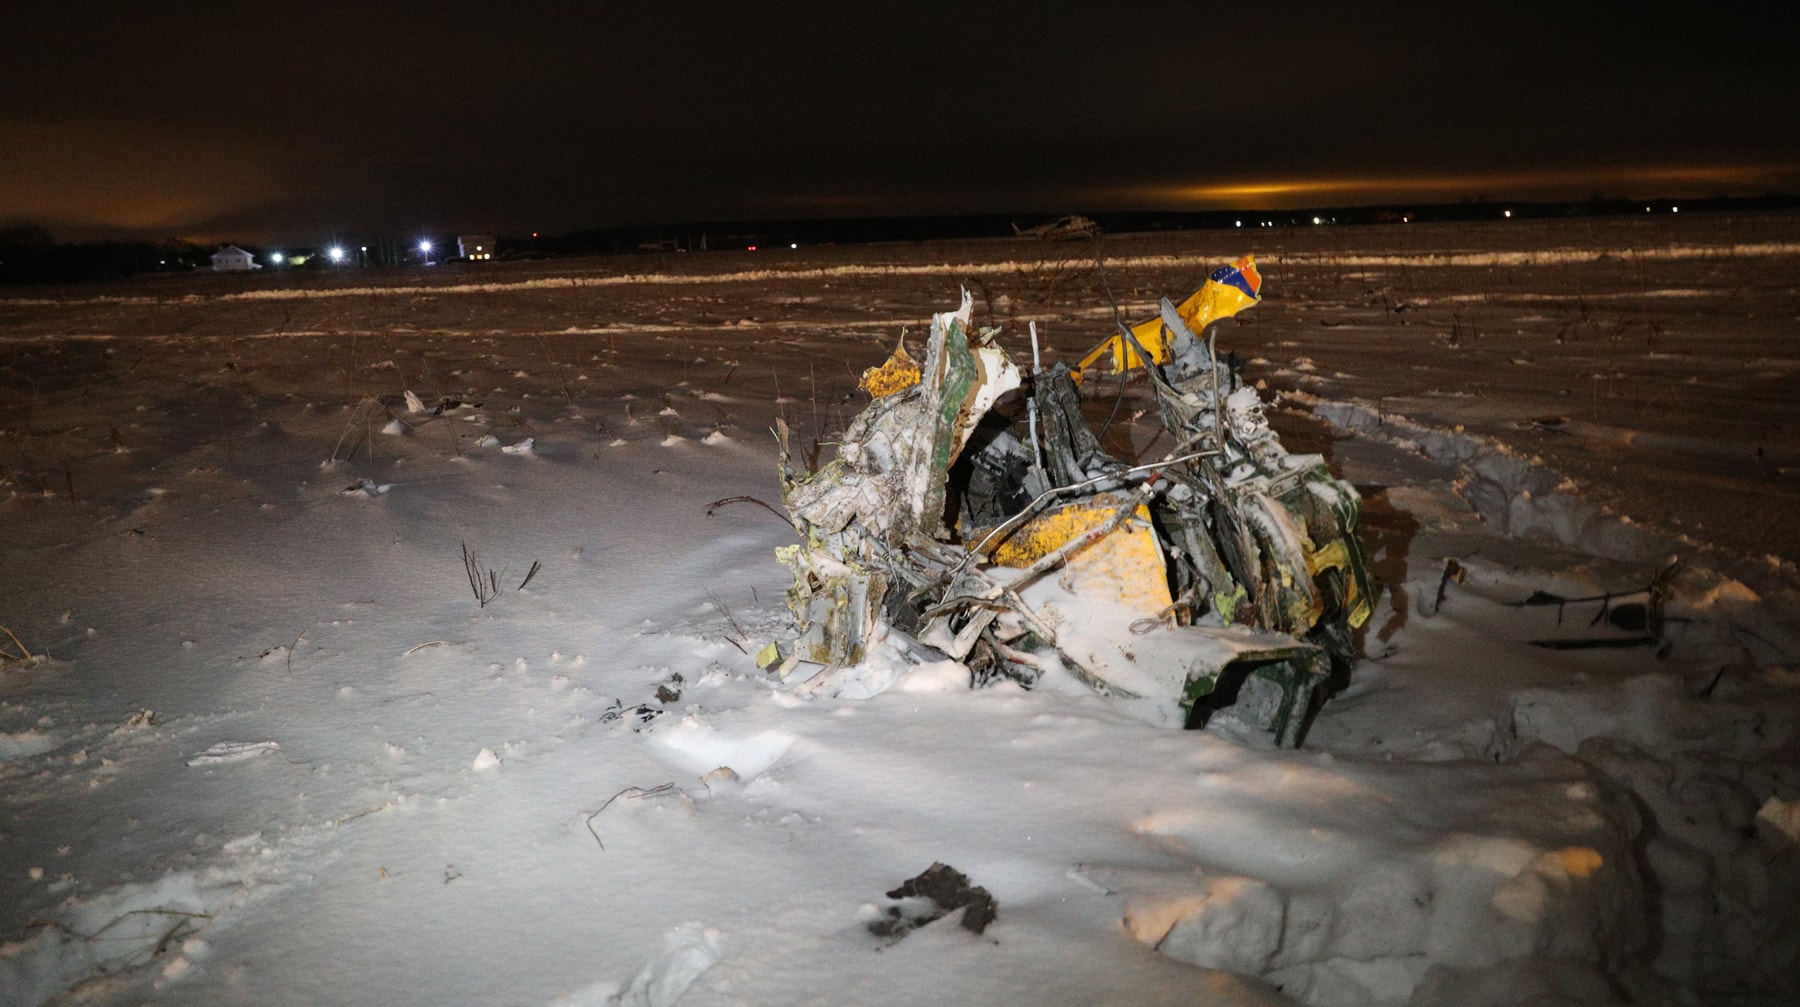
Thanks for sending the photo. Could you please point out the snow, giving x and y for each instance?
(270, 747)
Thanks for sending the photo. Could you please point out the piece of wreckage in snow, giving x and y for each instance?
(1217, 584)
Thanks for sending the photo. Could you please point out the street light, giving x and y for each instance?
(335, 254)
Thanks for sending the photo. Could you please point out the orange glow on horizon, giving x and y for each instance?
(1571, 183)
(98, 178)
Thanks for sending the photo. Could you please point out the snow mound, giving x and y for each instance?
(119, 928)
(1531, 866)
(1519, 498)
(25, 744)
(1725, 860)
(687, 951)
(1522, 498)
(695, 746)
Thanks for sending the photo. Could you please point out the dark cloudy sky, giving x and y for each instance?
(288, 122)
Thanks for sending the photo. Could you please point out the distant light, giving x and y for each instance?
(275, 257)
(1240, 223)
(752, 248)
(425, 246)
(793, 244)
(1317, 221)
(1506, 213)
(335, 254)
(365, 248)
(1646, 209)
(534, 234)
(1674, 209)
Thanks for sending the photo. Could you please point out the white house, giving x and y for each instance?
(232, 259)
(476, 246)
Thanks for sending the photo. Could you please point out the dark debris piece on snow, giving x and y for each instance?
(947, 890)
(1645, 620)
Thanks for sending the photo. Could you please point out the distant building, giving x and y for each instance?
(232, 259)
(475, 246)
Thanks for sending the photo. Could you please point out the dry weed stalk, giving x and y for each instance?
(484, 582)
(337, 823)
(24, 656)
(633, 793)
(557, 368)
(730, 620)
(716, 505)
(358, 428)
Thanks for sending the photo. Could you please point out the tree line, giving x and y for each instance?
(29, 254)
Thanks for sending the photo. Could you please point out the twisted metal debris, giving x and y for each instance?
(1218, 584)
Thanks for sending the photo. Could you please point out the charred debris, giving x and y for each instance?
(1217, 585)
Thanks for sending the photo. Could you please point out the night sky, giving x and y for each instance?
(295, 122)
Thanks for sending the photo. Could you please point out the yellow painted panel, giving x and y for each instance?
(1126, 565)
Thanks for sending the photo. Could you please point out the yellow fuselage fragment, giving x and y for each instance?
(1126, 564)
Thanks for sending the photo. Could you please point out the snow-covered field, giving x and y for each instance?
(262, 744)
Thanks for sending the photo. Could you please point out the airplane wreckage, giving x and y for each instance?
(1215, 586)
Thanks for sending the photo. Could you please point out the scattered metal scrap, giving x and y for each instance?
(1227, 573)
(1644, 621)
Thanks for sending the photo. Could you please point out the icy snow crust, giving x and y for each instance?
(270, 747)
